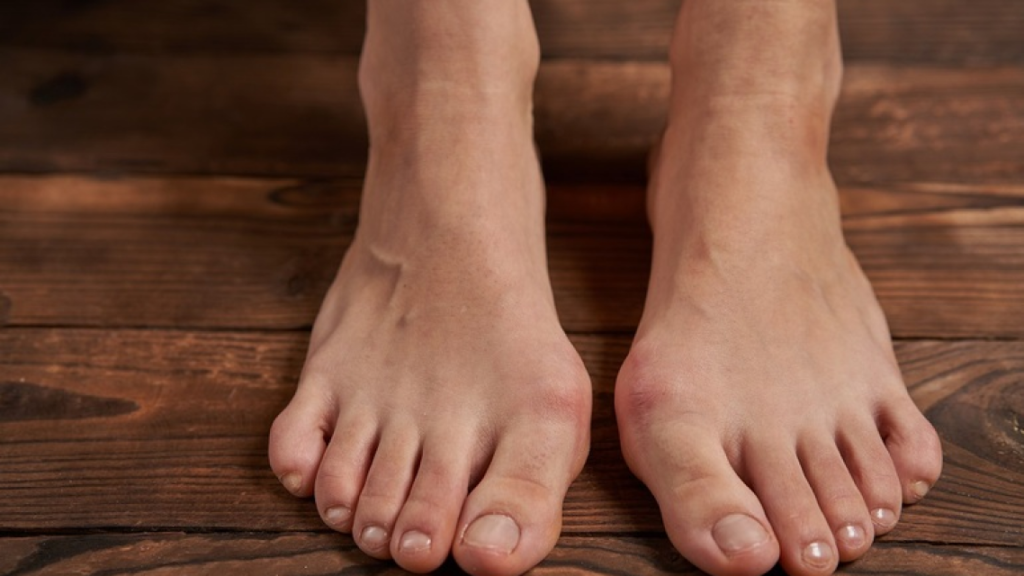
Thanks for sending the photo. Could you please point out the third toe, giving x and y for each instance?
(838, 496)
(874, 473)
(384, 492)
(342, 472)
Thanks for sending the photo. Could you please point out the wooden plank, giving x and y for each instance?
(298, 554)
(891, 124)
(184, 114)
(151, 252)
(925, 31)
(186, 26)
(930, 248)
(300, 115)
(167, 430)
(945, 260)
(932, 31)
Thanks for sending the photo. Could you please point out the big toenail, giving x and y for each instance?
(851, 535)
(374, 537)
(337, 515)
(494, 533)
(292, 482)
(738, 532)
(883, 518)
(920, 489)
(818, 554)
(414, 541)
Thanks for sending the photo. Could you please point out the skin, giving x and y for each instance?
(442, 410)
(456, 409)
(761, 402)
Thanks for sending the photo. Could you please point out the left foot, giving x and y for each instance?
(761, 402)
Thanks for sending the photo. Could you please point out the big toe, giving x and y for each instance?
(711, 516)
(512, 519)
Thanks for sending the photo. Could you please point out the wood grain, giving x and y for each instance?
(927, 31)
(174, 436)
(260, 253)
(298, 554)
(178, 181)
(313, 554)
(299, 115)
(157, 252)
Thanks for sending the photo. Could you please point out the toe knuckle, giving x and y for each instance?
(881, 485)
(561, 400)
(931, 444)
(931, 470)
(642, 398)
(426, 507)
(527, 483)
(332, 470)
(845, 501)
(641, 392)
(696, 484)
(432, 482)
(644, 389)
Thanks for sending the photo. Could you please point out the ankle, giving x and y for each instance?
(783, 51)
(471, 58)
(469, 80)
(774, 128)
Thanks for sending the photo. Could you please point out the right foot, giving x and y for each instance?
(761, 401)
(442, 408)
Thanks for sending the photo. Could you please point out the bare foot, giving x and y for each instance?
(442, 408)
(761, 401)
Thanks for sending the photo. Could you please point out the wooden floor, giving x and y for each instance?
(179, 179)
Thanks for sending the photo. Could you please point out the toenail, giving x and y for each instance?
(337, 515)
(738, 532)
(919, 489)
(494, 533)
(414, 541)
(818, 554)
(883, 518)
(851, 535)
(292, 482)
(374, 537)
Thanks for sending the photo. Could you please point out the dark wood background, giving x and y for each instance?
(179, 179)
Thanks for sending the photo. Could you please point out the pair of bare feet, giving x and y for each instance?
(442, 408)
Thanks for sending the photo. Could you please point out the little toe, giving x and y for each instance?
(872, 470)
(838, 496)
(343, 470)
(710, 514)
(385, 490)
(513, 517)
(915, 449)
(297, 444)
(425, 528)
(806, 541)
